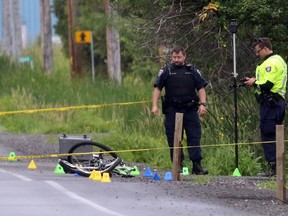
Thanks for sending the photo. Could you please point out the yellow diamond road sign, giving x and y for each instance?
(83, 37)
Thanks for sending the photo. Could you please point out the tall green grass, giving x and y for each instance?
(131, 129)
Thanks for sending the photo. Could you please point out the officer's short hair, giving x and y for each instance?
(262, 42)
(177, 49)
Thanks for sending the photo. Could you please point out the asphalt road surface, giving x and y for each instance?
(29, 192)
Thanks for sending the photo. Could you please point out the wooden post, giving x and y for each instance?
(280, 163)
(177, 146)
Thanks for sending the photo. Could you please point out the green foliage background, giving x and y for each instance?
(129, 127)
(132, 127)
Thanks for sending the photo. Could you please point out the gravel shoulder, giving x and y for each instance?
(241, 193)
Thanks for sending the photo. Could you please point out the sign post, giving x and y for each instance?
(86, 37)
(92, 57)
(24, 59)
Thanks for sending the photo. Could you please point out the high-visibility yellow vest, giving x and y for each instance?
(273, 69)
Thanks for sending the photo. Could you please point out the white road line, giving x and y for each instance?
(81, 199)
(23, 178)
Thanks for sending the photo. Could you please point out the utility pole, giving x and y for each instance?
(113, 46)
(46, 36)
(75, 50)
(11, 20)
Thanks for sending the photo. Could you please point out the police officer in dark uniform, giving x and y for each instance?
(182, 82)
(270, 89)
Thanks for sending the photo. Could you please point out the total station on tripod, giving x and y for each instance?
(233, 26)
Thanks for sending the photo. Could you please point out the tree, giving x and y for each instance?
(113, 46)
(46, 36)
(11, 22)
(61, 28)
(91, 16)
(202, 27)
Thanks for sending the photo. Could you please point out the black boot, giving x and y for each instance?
(198, 169)
(270, 172)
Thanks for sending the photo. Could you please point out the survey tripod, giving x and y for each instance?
(233, 30)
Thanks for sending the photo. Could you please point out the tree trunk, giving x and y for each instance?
(11, 20)
(113, 46)
(6, 46)
(46, 36)
(75, 50)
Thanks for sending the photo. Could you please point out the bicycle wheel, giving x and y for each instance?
(90, 156)
(70, 168)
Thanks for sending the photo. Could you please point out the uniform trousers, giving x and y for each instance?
(270, 116)
(192, 128)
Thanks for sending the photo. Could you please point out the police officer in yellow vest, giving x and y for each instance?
(270, 89)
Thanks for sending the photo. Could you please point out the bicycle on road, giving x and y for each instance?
(99, 157)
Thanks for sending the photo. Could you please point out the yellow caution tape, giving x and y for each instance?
(70, 108)
(4, 158)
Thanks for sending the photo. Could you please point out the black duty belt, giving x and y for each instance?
(179, 104)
